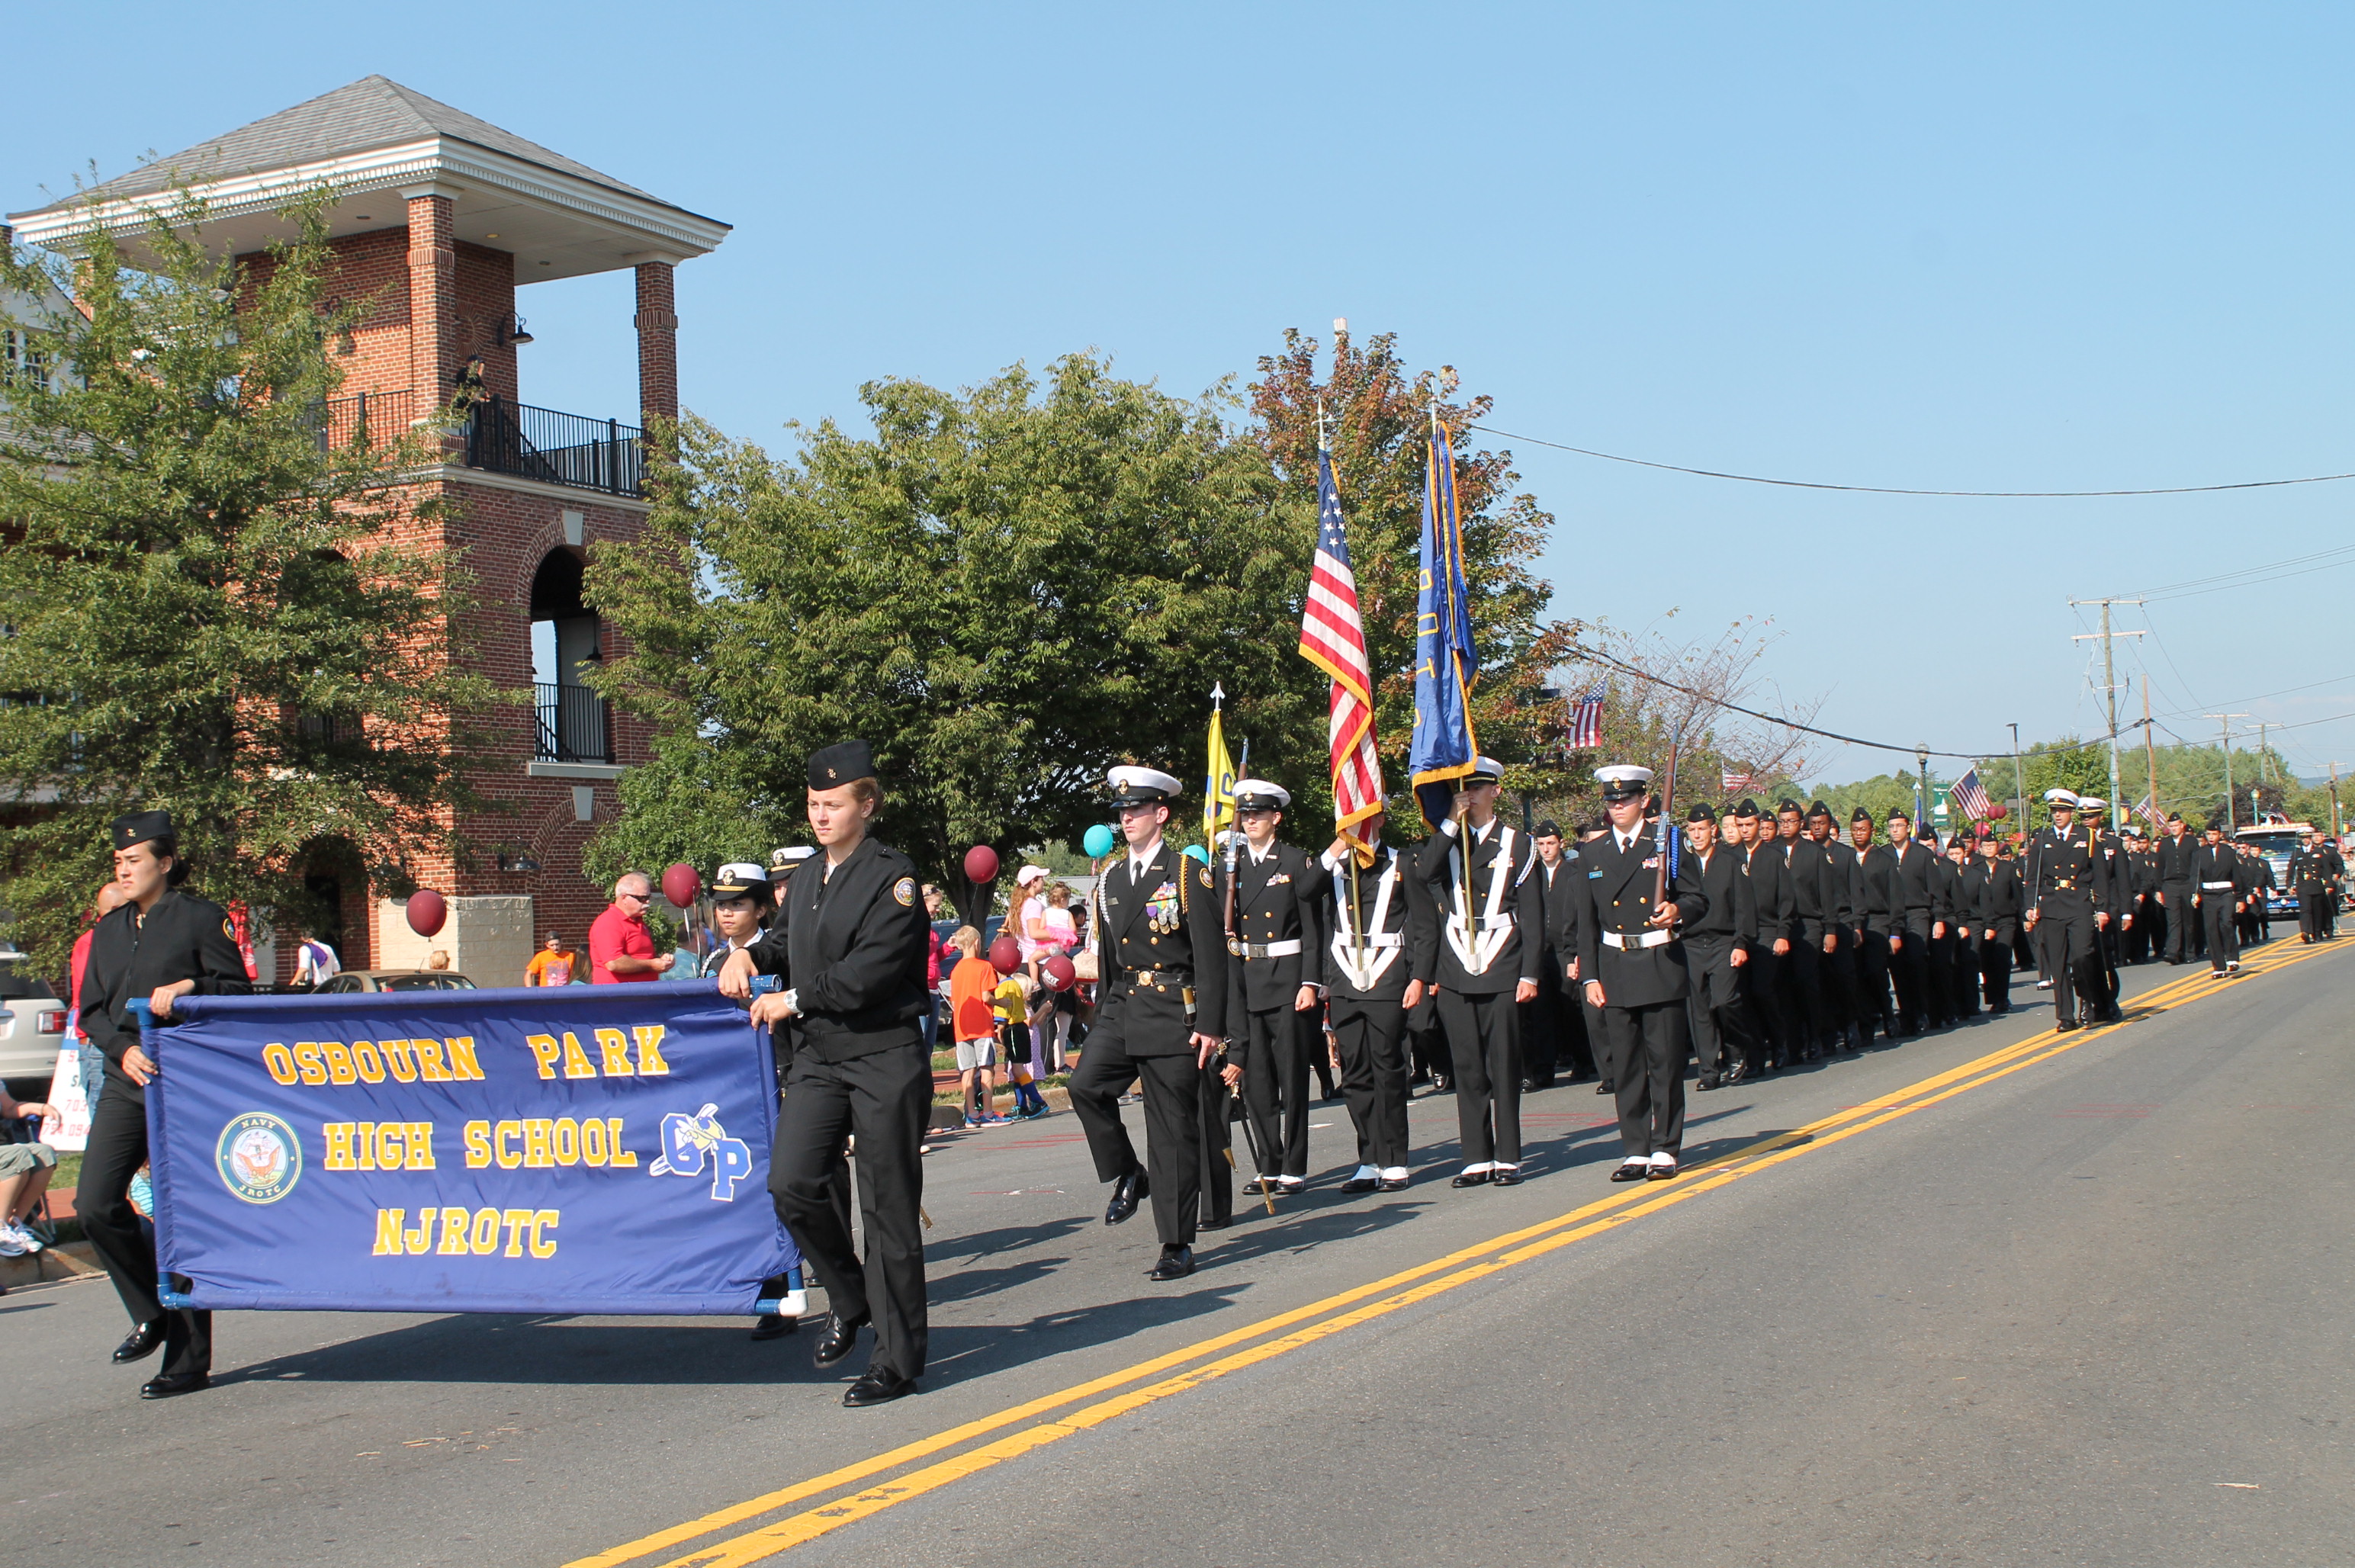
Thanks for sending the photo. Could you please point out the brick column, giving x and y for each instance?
(433, 345)
(657, 324)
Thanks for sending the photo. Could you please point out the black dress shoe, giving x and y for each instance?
(877, 1385)
(1260, 1185)
(1214, 1223)
(2066, 1025)
(1356, 1184)
(1605, 1088)
(1657, 1172)
(141, 1342)
(1737, 1073)
(773, 1325)
(1507, 1178)
(1393, 1184)
(1633, 1170)
(1176, 1262)
(1706, 1082)
(839, 1340)
(1126, 1194)
(171, 1383)
(1472, 1179)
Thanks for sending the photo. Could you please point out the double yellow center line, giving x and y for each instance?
(1082, 1407)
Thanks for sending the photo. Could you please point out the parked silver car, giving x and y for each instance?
(32, 1020)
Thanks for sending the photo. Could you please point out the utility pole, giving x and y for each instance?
(2334, 803)
(2150, 752)
(2109, 688)
(2224, 727)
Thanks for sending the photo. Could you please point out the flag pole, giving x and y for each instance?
(1357, 905)
(1464, 808)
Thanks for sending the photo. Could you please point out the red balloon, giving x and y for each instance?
(1999, 811)
(981, 864)
(1006, 956)
(681, 883)
(427, 911)
(1059, 971)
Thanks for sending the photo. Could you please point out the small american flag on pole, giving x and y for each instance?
(1333, 638)
(1586, 721)
(1970, 796)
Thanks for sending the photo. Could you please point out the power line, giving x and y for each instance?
(1596, 656)
(1896, 490)
(2216, 580)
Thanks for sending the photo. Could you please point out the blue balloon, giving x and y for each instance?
(1097, 841)
(1196, 852)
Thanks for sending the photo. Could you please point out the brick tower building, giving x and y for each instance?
(440, 218)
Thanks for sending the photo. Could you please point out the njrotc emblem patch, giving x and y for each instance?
(229, 929)
(259, 1157)
(904, 890)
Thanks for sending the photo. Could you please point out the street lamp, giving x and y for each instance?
(1922, 794)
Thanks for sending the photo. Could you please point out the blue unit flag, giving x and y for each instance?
(583, 1149)
(1443, 750)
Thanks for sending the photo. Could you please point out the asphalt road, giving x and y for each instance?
(2085, 1301)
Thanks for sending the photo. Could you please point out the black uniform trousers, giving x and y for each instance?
(2184, 937)
(2135, 941)
(2217, 918)
(1484, 1041)
(1598, 1038)
(883, 1099)
(1219, 1107)
(1937, 975)
(2065, 937)
(116, 1150)
(1873, 975)
(1994, 966)
(1543, 1023)
(1763, 989)
(2313, 912)
(1652, 1043)
(1275, 1085)
(1373, 1075)
(1173, 1127)
(1803, 992)
(1962, 972)
(1907, 968)
(1843, 997)
(1714, 1003)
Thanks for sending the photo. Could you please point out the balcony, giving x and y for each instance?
(502, 437)
(575, 725)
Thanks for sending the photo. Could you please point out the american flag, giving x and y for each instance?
(2149, 811)
(1968, 793)
(1586, 721)
(1333, 638)
(1734, 782)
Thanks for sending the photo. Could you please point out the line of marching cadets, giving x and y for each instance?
(1754, 941)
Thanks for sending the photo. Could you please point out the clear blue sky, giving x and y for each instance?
(2001, 248)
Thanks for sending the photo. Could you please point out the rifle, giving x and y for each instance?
(1234, 1091)
(1669, 842)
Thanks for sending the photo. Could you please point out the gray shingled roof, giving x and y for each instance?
(373, 112)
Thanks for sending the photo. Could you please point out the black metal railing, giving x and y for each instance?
(556, 448)
(366, 418)
(575, 725)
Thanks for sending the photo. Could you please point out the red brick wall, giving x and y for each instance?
(657, 323)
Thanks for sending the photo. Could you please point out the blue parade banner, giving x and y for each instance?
(553, 1149)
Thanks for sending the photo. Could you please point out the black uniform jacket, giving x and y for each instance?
(1771, 896)
(2220, 864)
(1564, 894)
(1875, 896)
(2111, 874)
(1523, 954)
(1996, 896)
(1619, 889)
(1813, 897)
(2309, 870)
(1161, 947)
(183, 938)
(1278, 900)
(1408, 924)
(1844, 903)
(2175, 868)
(2061, 867)
(1725, 882)
(851, 946)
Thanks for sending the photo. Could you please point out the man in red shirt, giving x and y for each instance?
(621, 948)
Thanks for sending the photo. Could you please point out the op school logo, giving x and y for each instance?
(689, 1141)
(258, 1156)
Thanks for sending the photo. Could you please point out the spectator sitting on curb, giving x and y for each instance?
(25, 1165)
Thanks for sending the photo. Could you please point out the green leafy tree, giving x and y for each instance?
(212, 603)
(1005, 592)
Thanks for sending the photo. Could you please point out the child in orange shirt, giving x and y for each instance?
(973, 1021)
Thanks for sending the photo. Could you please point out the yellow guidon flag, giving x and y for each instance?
(1219, 790)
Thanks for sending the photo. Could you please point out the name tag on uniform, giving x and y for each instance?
(1594, 876)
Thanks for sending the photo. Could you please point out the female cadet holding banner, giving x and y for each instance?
(851, 944)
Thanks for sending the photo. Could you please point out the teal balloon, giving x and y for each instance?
(1196, 852)
(1097, 841)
